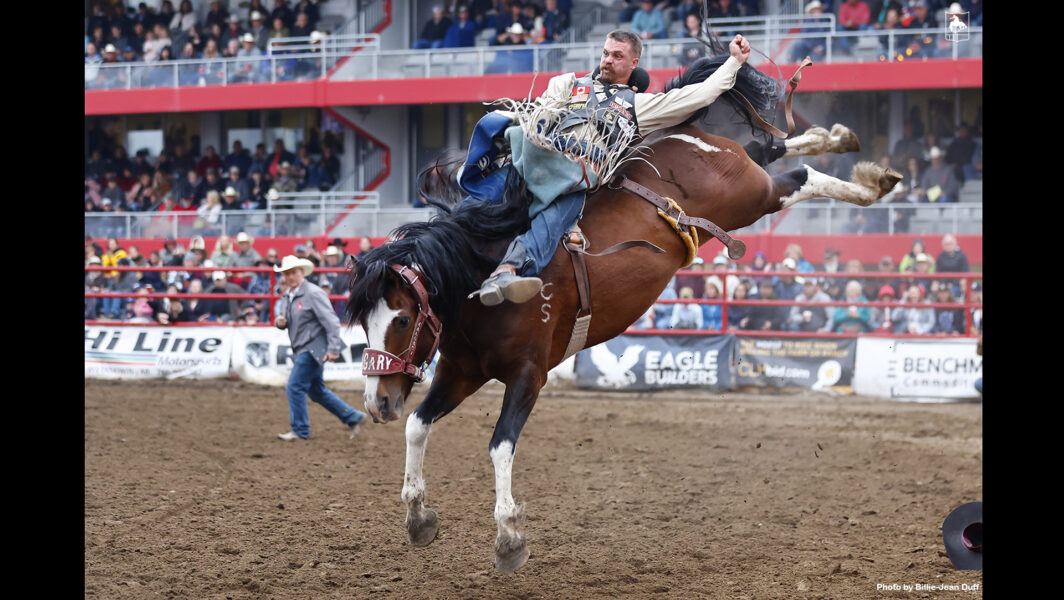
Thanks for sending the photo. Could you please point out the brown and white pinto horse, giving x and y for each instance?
(399, 289)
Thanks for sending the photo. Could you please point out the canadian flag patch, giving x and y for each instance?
(299, 305)
(580, 92)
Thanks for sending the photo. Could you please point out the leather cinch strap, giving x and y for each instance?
(736, 248)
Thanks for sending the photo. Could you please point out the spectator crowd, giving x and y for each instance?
(912, 281)
(203, 187)
(238, 251)
(118, 34)
(908, 286)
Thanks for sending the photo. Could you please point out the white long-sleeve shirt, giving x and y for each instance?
(663, 109)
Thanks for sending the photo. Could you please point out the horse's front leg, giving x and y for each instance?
(511, 549)
(448, 390)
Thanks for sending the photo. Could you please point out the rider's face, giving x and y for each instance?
(618, 61)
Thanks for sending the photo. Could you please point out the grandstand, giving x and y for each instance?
(354, 88)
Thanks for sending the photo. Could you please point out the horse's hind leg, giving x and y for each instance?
(868, 183)
(446, 393)
(817, 140)
(511, 549)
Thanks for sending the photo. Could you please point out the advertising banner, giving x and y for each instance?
(817, 364)
(918, 370)
(154, 352)
(640, 363)
(263, 355)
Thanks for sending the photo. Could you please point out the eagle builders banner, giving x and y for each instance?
(823, 364)
(154, 352)
(263, 355)
(641, 363)
(918, 370)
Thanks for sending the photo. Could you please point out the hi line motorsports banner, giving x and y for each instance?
(821, 364)
(641, 363)
(156, 352)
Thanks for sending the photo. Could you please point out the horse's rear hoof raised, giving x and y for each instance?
(421, 528)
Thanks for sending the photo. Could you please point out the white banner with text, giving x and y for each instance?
(918, 370)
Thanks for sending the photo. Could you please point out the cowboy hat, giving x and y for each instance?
(962, 533)
(292, 262)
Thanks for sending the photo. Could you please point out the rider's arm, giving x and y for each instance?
(657, 111)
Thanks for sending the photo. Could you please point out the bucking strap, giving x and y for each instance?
(756, 118)
(736, 248)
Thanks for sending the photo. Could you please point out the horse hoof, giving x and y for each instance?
(421, 530)
(888, 180)
(510, 553)
(845, 139)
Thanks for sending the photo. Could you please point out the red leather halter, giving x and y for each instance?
(381, 362)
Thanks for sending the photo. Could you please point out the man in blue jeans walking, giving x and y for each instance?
(314, 332)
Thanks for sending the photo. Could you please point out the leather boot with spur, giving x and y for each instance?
(505, 284)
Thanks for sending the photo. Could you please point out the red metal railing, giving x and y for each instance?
(967, 304)
(271, 297)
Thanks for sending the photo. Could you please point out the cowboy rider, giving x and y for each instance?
(590, 129)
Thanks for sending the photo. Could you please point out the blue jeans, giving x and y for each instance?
(548, 227)
(306, 379)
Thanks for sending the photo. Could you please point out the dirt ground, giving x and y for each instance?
(189, 494)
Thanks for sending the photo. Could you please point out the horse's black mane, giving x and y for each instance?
(449, 249)
(763, 92)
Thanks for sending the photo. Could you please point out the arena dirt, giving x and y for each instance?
(189, 494)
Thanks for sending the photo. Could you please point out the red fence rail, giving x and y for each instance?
(967, 304)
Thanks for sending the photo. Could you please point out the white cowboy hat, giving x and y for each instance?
(956, 9)
(935, 152)
(247, 37)
(273, 194)
(516, 29)
(243, 237)
(812, 5)
(291, 262)
(256, 16)
(230, 191)
(316, 36)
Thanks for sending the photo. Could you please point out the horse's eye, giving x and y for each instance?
(403, 322)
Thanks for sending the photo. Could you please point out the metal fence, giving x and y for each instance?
(825, 216)
(297, 59)
(296, 213)
(286, 59)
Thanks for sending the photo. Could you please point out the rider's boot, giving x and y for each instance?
(505, 284)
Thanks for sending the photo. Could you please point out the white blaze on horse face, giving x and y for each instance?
(702, 145)
(502, 457)
(377, 322)
(417, 438)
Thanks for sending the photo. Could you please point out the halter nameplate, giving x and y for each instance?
(381, 362)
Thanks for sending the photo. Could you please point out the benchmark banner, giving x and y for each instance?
(916, 369)
(154, 352)
(644, 362)
(824, 364)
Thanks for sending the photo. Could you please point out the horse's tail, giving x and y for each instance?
(763, 92)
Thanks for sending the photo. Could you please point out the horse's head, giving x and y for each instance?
(402, 334)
